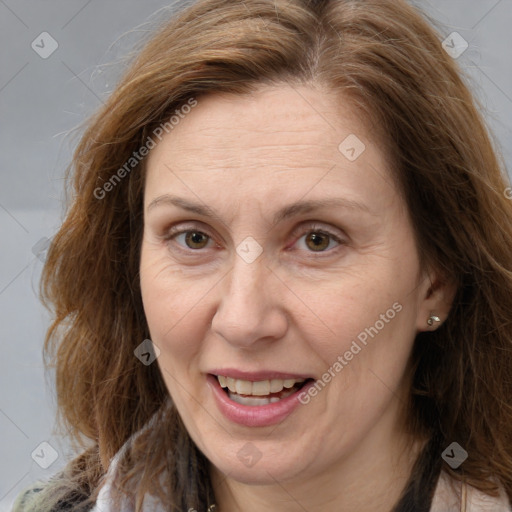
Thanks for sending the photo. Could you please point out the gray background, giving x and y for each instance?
(42, 101)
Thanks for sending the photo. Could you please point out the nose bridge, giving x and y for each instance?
(249, 261)
(248, 308)
(247, 284)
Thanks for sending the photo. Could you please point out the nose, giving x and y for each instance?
(251, 308)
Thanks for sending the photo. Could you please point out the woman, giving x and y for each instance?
(284, 282)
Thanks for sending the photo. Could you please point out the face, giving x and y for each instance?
(280, 282)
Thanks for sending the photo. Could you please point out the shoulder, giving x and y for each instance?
(478, 501)
(47, 496)
(56, 494)
(28, 496)
(454, 496)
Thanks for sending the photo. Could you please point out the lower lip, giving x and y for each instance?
(258, 415)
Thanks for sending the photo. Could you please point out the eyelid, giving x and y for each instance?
(182, 228)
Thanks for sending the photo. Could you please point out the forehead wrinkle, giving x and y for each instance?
(293, 156)
(240, 166)
(221, 144)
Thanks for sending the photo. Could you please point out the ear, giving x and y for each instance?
(436, 300)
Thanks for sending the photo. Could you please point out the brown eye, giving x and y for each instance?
(196, 239)
(317, 241)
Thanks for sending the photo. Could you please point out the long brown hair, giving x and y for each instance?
(386, 57)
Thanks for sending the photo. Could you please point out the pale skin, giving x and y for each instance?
(293, 309)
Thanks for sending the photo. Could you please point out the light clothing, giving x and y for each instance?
(452, 496)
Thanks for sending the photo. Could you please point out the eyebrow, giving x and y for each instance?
(286, 212)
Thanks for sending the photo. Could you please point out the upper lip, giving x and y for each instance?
(259, 375)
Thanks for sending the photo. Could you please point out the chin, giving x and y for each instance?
(259, 474)
(249, 465)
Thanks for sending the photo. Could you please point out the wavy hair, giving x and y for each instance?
(387, 58)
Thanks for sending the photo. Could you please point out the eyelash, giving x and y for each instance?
(303, 230)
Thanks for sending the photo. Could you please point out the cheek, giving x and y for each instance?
(357, 308)
(176, 326)
(364, 333)
(174, 307)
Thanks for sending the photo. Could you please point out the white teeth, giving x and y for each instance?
(255, 401)
(246, 400)
(276, 385)
(260, 388)
(243, 387)
(230, 383)
(257, 388)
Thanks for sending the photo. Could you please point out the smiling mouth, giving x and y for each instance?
(258, 393)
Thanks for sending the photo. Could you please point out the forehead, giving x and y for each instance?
(297, 137)
(273, 115)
